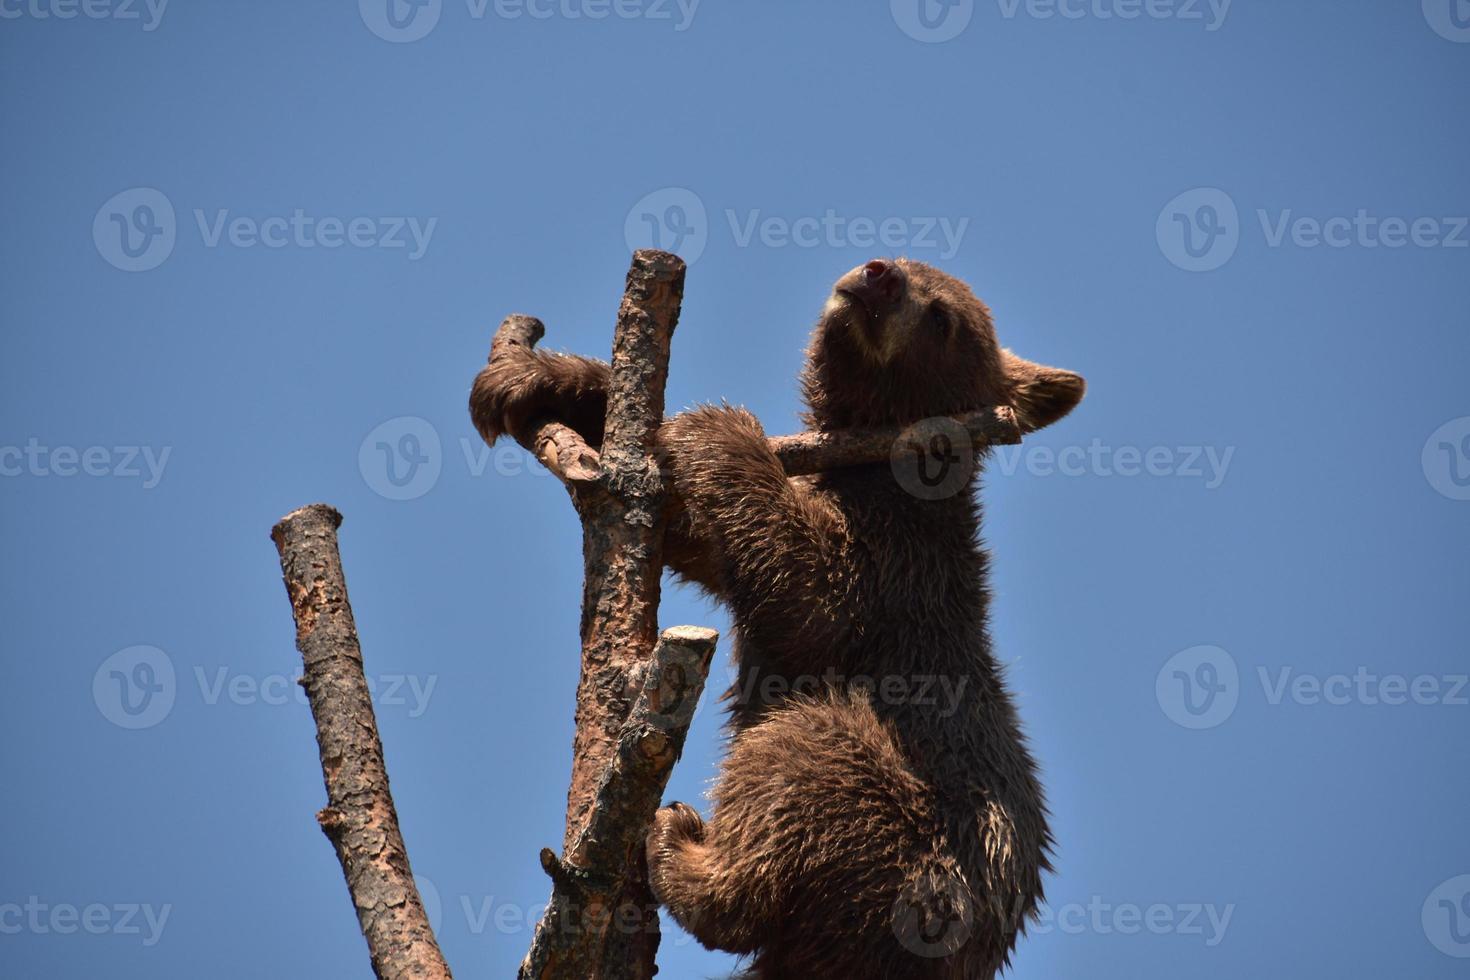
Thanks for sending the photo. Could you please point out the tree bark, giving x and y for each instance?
(602, 921)
(597, 923)
(359, 818)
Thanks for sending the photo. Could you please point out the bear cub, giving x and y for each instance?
(878, 813)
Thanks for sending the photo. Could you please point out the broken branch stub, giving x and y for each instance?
(359, 818)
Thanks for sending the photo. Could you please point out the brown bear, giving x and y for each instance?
(878, 814)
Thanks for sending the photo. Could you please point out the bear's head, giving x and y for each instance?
(900, 341)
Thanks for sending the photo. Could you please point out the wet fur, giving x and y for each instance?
(855, 833)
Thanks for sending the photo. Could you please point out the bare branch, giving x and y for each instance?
(556, 445)
(602, 921)
(359, 818)
(587, 887)
(812, 452)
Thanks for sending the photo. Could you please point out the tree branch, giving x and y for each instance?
(562, 451)
(588, 901)
(813, 452)
(359, 818)
(602, 921)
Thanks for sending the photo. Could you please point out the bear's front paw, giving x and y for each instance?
(672, 825)
(521, 387)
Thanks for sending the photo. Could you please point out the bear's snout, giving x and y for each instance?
(878, 285)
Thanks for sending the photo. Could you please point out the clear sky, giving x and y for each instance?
(247, 246)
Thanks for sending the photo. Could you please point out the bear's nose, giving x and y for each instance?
(877, 285)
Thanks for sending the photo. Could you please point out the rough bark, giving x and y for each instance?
(602, 921)
(635, 700)
(593, 925)
(565, 454)
(622, 542)
(812, 452)
(359, 818)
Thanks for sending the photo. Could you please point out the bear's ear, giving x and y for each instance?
(1041, 395)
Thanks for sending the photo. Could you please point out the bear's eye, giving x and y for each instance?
(939, 321)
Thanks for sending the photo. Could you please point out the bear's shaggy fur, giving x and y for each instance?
(878, 814)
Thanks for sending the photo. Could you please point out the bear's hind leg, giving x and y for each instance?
(685, 874)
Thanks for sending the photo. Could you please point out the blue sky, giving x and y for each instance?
(244, 244)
